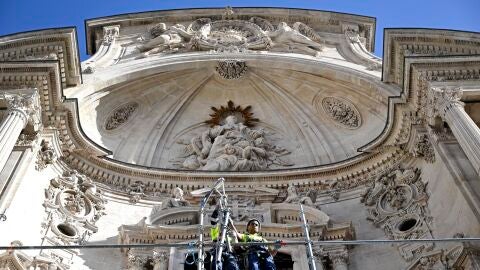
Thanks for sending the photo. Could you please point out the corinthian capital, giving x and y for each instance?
(440, 99)
(27, 102)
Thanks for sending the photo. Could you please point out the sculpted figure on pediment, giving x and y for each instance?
(286, 36)
(168, 38)
(307, 198)
(176, 200)
(254, 34)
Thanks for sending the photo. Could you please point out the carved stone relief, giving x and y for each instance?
(74, 205)
(230, 34)
(397, 202)
(121, 115)
(342, 112)
(231, 69)
(231, 145)
(308, 198)
(424, 148)
(45, 156)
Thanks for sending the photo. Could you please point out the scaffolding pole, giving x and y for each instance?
(308, 242)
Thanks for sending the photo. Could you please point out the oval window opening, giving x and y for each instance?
(66, 230)
(407, 224)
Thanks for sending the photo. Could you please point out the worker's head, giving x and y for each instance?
(253, 226)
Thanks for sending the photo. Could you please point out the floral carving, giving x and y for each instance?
(424, 148)
(342, 112)
(120, 116)
(231, 69)
(397, 202)
(74, 205)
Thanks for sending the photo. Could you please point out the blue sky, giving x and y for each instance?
(26, 15)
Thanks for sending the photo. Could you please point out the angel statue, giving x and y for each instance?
(301, 38)
(167, 38)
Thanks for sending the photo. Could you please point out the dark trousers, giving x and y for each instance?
(229, 261)
(260, 260)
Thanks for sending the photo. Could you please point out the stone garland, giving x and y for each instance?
(121, 115)
(342, 112)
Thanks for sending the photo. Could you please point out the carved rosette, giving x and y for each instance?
(74, 205)
(342, 112)
(121, 115)
(228, 33)
(397, 202)
(231, 69)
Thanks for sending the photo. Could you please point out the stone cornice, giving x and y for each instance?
(45, 75)
(402, 42)
(58, 44)
(322, 21)
(418, 72)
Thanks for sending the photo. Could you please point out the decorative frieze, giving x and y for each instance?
(342, 112)
(120, 115)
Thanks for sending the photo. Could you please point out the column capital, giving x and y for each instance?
(27, 102)
(160, 255)
(440, 99)
(339, 257)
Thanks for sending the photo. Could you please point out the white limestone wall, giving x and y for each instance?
(364, 256)
(25, 212)
(454, 190)
(117, 213)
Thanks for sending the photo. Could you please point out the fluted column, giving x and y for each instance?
(21, 108)
(445, 102)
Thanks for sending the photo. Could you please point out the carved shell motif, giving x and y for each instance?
(120, 116)
(342, 112)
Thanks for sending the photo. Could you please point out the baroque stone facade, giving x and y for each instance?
(312, 119)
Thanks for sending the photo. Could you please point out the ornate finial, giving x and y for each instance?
(243, 115)
(228, 14)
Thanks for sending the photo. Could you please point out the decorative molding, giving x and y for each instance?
(45, 156)
(120, 115)
(397, 202)
(231, 69)
(342, 112)
(52, 44)
(74, 205)
(424, 148)
(440, 99)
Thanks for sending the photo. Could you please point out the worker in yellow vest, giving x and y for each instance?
(260, 257)
(229, 260)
